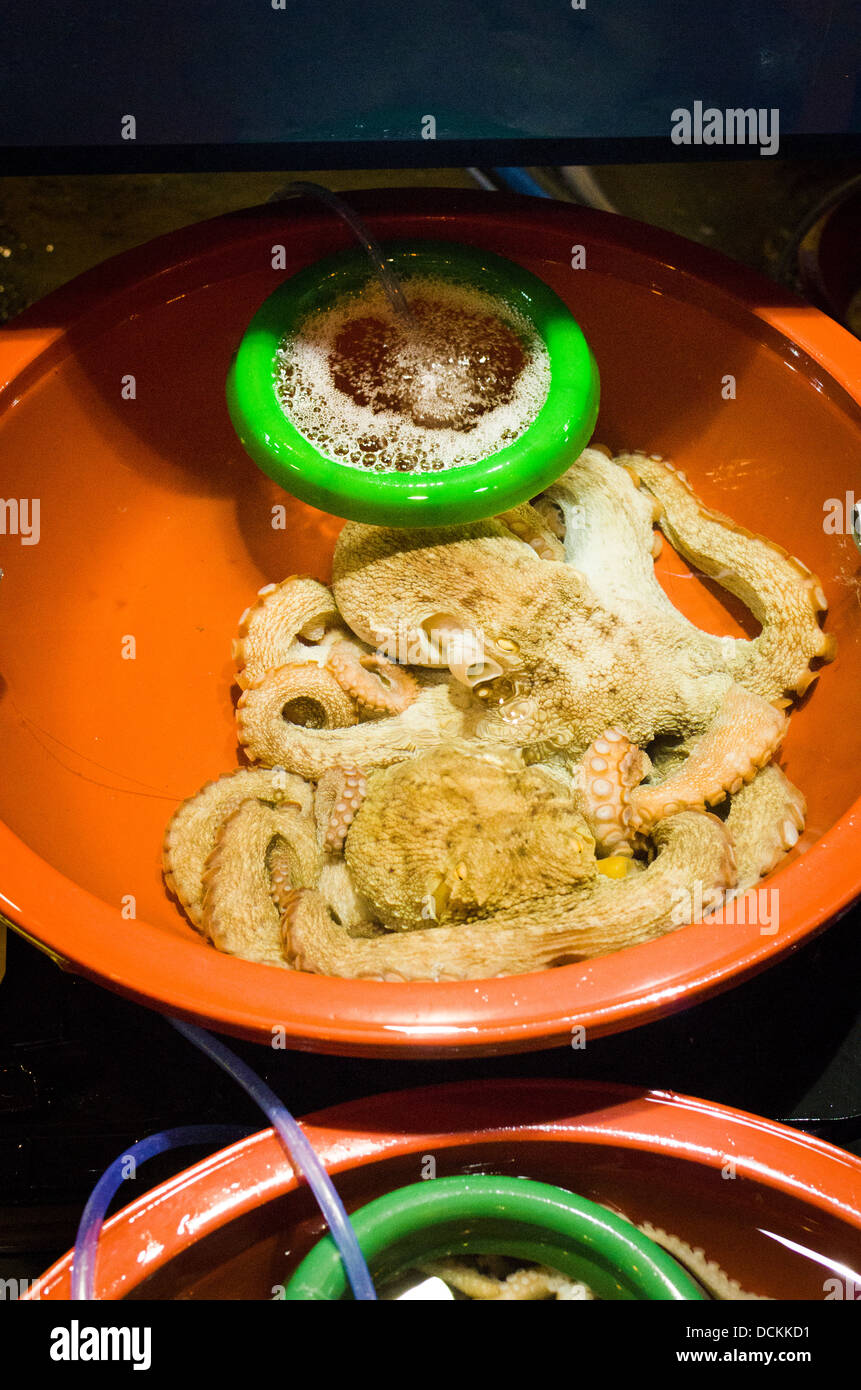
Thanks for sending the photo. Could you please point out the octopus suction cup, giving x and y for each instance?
(451, 495)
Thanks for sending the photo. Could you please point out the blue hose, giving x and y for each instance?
(520, 182)
(300, 1152)
(90, 1225)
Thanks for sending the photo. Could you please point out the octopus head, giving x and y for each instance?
(453, 834)
(528, 706)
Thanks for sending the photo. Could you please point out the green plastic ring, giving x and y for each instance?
(547, 447)
(503, 1216)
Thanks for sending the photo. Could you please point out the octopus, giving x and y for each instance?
(497, 748)
(495, 1278)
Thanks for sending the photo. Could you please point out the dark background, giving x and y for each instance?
(318, 78)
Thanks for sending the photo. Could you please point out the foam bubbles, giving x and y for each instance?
(465, 382)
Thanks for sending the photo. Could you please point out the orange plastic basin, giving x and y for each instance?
(155, 532)
(787, 1225)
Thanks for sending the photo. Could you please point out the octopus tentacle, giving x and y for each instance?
(340, 793)
(744, 735)
(555, 930)
(193, 829)
(259, 851)
(542, 1283)
(347, 905)
(708, 1272)
(766, 819)
(782, 593)
(609, 531)
(611, 768)
(375, 683)
(290, 697)
(741, 739)
(532, 526)
(287, 619)
(551, 515)
(436, 714)
(520, 1286)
